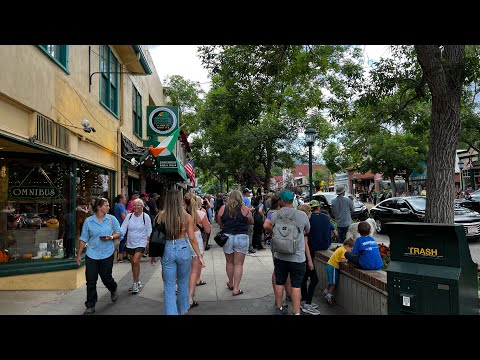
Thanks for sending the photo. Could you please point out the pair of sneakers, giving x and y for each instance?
(311, 309)
(135, 287)
(328, 298)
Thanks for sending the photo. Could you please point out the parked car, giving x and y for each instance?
(360, 211)
(412, 209)
(469, 203)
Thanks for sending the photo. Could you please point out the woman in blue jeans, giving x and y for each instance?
(176, 259)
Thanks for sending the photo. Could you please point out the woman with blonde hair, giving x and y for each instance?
(201, 221)
(176, 259)
(138, 226)
(234, 218)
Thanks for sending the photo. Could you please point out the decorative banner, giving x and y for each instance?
(162, 120)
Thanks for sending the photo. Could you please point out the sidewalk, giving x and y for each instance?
(214, 298)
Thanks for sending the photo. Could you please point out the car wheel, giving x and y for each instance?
(379, 227)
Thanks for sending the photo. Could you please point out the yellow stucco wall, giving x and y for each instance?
(56, 280)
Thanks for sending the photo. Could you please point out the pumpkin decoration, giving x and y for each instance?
(52, 223)
(27, 256)
(4, 256)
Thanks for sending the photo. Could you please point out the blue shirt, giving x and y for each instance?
(369, 255)
(118, 211)
(92, 230)
(246, 201)
(320, 235)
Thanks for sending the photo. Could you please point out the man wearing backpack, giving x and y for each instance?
(289, 245)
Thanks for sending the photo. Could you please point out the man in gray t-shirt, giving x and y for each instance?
(342, 208)
(290, 264)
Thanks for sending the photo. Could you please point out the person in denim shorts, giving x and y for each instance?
(234, 219)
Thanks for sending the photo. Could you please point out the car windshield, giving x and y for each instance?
(418, 203)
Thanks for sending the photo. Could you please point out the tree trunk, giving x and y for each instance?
(443, 72)
(394, 186)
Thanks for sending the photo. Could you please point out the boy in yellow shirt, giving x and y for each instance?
(333, 266)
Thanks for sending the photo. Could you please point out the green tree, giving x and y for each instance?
(276, 91)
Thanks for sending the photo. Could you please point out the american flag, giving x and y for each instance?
(190, 171)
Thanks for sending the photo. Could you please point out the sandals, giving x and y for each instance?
(201, 282)
(193, 304)
(240, 292)
(229, 286)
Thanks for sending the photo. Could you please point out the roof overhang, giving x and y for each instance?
(133, 58)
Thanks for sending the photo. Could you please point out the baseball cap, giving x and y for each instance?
(144, 195)
(314, 204)
(286, 196)
(152, 195)
(246, 190)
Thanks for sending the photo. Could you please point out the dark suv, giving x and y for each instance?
(359, 213)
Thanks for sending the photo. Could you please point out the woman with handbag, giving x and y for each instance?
(201, 223)
(99, 231)
(234, 218)
(137, 228)
(176, 259)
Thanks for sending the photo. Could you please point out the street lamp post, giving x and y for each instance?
(460, 166)
(310, 136)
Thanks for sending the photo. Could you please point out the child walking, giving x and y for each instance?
(333, 266)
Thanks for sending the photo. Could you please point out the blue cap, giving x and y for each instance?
(286, 196)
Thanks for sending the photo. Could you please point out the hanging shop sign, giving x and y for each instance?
(162, 120)
(33, 192)
(96, 190)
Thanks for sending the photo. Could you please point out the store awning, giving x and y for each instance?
(170, 164)
(422, 175)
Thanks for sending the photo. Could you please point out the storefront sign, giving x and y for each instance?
(162, 120)
(168, 164)
(33, 192)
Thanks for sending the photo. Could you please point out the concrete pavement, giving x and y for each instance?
(214, 298)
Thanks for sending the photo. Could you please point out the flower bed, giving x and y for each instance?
(385, 254)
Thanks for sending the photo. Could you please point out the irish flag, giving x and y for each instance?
(166, 146)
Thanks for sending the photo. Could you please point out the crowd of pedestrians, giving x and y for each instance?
(252, 223)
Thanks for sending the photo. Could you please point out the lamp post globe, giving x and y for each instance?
(310, 136)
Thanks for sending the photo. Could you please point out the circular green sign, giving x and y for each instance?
(162, 120)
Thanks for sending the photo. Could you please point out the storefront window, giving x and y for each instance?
(38, 221)
(91, 183)
(34, 216)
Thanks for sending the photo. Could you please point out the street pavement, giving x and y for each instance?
(214, 297)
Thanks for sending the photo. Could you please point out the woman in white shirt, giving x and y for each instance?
(139, 227)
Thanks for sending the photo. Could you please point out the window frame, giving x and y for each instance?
(107, 61)
(62, 59)
(137, 115)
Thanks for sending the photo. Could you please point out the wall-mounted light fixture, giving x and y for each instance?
(86, 126)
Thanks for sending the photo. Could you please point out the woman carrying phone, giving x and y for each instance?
(99, 231)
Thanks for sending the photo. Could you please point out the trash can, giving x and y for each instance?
(431, 271)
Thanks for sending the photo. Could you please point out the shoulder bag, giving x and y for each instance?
(158, 238)
(221, 238)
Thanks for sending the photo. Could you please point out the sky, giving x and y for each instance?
(182, 60)
(179, 60)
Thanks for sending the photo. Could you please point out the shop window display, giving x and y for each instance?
(33, 219)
